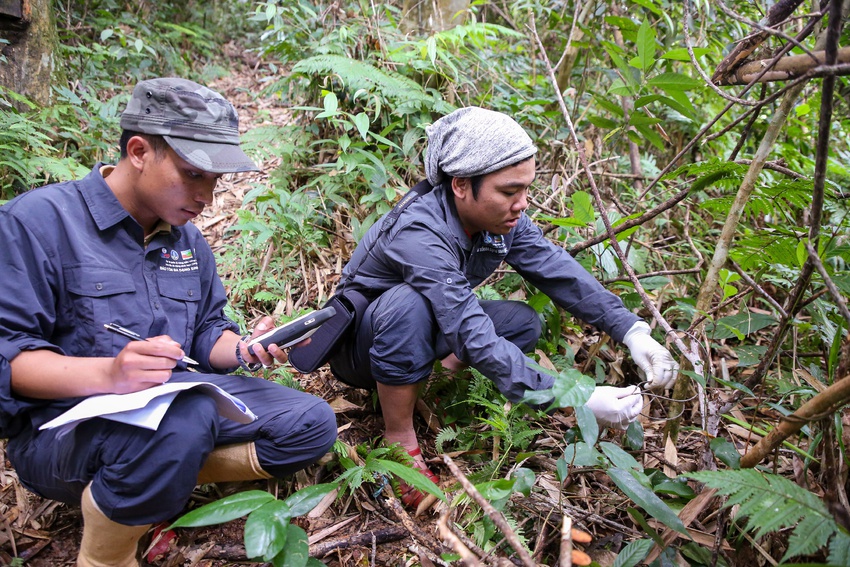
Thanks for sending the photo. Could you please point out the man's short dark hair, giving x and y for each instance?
(157, 142)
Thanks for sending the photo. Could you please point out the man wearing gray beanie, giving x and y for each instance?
(115, 251)
(421, 270)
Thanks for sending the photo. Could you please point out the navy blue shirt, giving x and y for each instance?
(428, 249)
(73, 259)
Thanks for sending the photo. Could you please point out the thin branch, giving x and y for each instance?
(757, 288)
(492, 513)
(830, 285)
(820, 406)
(469, 559)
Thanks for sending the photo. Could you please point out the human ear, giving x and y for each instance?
(461, 186)
(137, 149)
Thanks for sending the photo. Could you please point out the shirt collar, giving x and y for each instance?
(105, 208)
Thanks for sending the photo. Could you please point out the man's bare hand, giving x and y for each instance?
(143, 364)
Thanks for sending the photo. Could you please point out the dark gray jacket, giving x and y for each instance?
(428, 249)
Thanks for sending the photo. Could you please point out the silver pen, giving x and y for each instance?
(116, 328)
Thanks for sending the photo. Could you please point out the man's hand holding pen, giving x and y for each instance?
(143, 364)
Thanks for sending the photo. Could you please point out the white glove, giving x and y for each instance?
(615, 407)
(654, 361)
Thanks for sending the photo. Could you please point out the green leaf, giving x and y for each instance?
(582, 206)
(618, 457)
(361, 121)
(673, 82)
(675, 487)
(580, 455)
(771, 503)
(524, 480)
(297, 550)
(224, 510)
(572, 388)
(681, 53)
(304, 500)
(646, 499)
(645, 47)
(265, 530)
(634, 436)
(331, 104)
(412, 477)
(635, 514)
(587, 424)
(839, 549)
(633, 553)
(745, 323)
(726, 452)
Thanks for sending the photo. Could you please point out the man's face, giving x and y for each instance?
(170, 189)
(502, 198)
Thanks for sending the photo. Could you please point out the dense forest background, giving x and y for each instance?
(692, 155)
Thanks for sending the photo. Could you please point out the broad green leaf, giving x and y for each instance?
(331, 103)
(645, 47)
(581, 455)
(634, 436)
(494, 490)
(646, 499)
(304, 500)
(633, 553)
(673, 82)
(106, 34)
(726, 452)
(572, 388)
(361, 121)
(745, 323)
(224, 510)
(681, 53)
(297, 550)
(524, 480)
(675, 487)
(265, 530)
(582, 206)
(618, 457)
(587, 424)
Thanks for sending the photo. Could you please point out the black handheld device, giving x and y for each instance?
(294, 331)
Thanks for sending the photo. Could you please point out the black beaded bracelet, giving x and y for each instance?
(248, 366)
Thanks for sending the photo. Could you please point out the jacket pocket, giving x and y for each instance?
(180, 294)
(98, 295)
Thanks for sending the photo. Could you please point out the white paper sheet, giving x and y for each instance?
(147, 407)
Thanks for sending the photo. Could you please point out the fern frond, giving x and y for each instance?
(771, 503)
(444, 436)
(356, 75)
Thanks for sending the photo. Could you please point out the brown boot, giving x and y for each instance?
(232, 462)
(106, 543)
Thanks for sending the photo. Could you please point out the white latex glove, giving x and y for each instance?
(654, 361)
(615, 407)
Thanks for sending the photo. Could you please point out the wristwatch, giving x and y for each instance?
(249, 366)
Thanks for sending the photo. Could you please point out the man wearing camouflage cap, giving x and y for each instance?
(117, 247)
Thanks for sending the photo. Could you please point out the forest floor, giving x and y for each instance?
(45, 533)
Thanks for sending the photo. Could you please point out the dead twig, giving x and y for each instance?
(492, 513)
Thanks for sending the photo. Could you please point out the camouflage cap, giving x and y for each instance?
(198, 123)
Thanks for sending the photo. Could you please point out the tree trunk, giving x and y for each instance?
(30, 29)
(428, 16)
